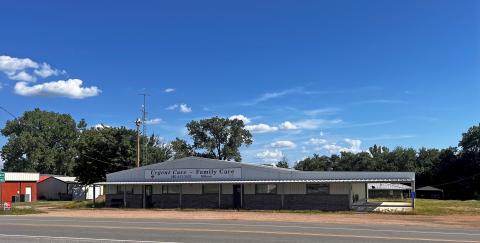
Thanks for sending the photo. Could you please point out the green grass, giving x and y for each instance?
(20, 211)
(446, 207)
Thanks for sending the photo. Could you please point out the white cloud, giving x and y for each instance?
(288, 126)
(153, 121)
(283, 144)
(354, 147)
(261, 128)
(184, 108)
(46, 70)
(101, 125)
(169, 90)
(270, 156)
(71, 88)
(316, 141)
(308, 124)
(243, 118)
(11, 65)
(172, 107)
(22, 76)
(322, 111)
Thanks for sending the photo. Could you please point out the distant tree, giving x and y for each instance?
(109, 149)
(181, 149)
(215, 137)
(40, 141)
(283, 163)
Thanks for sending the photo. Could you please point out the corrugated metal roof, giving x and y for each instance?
(388, 186)
(254, 172)
(245, 182)
(429, 188)
(21, 176)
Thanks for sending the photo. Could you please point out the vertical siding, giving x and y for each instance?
(249, 188)
(359, 189)
(137, 189)
(10, 189)
(157, 189)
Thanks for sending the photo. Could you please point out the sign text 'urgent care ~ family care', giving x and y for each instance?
(208, 173)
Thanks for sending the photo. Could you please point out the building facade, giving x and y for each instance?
(207, 183)
(19, 187)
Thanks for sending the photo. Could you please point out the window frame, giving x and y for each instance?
(217, 189)
(317, 193)
(166, 189)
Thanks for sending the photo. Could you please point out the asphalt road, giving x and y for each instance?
(41, 229)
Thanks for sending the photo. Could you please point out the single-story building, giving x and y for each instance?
(194, 182)
(59, 187)
(388, 190)
(430, 192)
(19, 187)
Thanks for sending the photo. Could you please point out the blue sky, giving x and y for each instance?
(310, 76)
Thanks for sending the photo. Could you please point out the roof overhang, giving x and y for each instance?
(249, 181)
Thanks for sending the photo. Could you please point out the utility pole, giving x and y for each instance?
(137, 123)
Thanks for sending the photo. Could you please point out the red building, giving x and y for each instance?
(19, 187)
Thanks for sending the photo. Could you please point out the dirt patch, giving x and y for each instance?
(453, 221)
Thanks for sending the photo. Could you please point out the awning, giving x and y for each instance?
(249, 181)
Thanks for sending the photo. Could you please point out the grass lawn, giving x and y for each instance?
(445, 207)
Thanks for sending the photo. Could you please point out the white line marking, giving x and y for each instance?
(257, 225)
(79, 239)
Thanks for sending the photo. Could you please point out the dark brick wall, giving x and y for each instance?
(316, 202)
(166, 200)
(200, 201)
(250, 201)
(262, 201)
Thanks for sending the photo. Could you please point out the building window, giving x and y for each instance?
(171, 189)
(318, 189)
(120, 189)
(265, 189)
(210, 188)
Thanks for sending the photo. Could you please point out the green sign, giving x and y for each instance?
(2, 176)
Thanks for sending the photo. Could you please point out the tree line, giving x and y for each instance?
(54, 143)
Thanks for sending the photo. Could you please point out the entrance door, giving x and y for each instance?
(28, 194)
(148, 196)
(237, 196)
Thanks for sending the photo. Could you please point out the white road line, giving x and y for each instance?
(257, 225)
(78, 239)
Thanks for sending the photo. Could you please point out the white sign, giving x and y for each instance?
(208, 173)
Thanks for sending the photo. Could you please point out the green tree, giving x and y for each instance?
(181, 149)
(283, 163)
(40, 141)
(218, 138)
(158, 151)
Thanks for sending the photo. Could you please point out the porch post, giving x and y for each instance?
(180, 196)
(219, 195)
(124, 196)
(143, 196)
(283, 194)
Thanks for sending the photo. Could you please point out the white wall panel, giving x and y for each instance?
(339, 188)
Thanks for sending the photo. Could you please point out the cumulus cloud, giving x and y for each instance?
(283, 144)
(243, 118)
(172, 107)
(309, 124)
(153, 121)
(25, 71)
(261, 128)
(316, 141)
(169, 90)
(184, 108)
(71, 88)
(354, 147)
(288, 126)
(270, 155)
(101, 126)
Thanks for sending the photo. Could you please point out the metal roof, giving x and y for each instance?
(429, 188)
(21, 176)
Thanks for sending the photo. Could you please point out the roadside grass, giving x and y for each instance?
(20, 211)
(446, 207)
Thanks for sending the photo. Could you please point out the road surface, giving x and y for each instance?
(19, 229)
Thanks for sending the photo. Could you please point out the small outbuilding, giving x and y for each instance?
(19, 187)
(430, 192)
(194, 182)
(58, 187)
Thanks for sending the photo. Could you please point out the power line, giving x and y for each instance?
(456, 181)
(8, 112)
